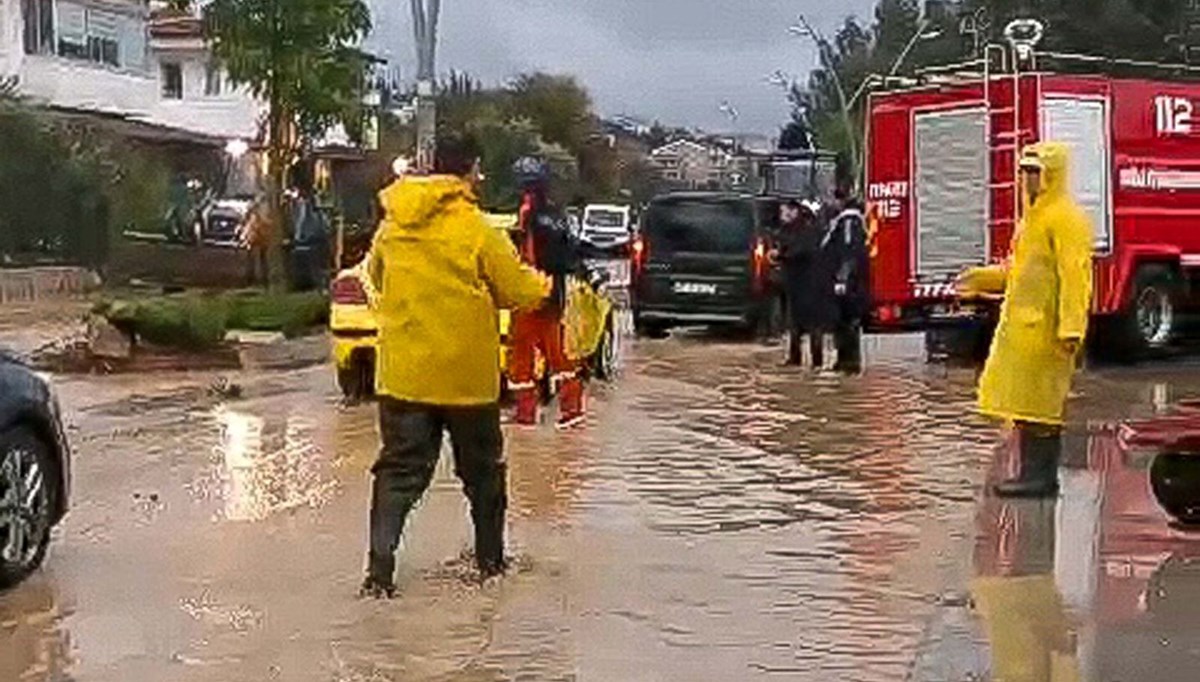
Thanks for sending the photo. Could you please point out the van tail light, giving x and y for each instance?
(348, 290)
(760, 265)
(638, 253)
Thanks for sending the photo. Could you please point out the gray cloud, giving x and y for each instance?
(674, 60)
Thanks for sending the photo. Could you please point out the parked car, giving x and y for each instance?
(35, 470)
(1175, 471)
(607, 228)
(701, 258)
(355, 332)
(221, 218)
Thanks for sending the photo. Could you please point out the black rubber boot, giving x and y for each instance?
(1040, 454)
(381, 578)
(794, 357)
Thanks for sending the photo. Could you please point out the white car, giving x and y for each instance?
(607, 226)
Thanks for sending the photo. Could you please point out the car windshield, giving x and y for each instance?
(605, 219)
(700, 226)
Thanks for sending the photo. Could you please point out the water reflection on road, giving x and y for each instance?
(720, 518)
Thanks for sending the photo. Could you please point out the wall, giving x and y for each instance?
(80, 85)
(233, 113)
(10, 37)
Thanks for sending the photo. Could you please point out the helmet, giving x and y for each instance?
(531, 171)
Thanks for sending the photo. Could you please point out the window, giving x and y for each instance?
(88, 35)
(38, 16)
(172, 81)
(212, 80)
(103, 51)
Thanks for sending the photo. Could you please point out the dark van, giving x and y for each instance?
(701, 258)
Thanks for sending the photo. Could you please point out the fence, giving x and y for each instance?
(29, 285)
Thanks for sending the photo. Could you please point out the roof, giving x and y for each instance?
(168, 24)
(675, 147)
(702, 196)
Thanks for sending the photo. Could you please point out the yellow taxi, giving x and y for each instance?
(355, 333)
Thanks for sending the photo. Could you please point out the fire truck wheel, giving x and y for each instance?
(1151, 319)
(1175, 479)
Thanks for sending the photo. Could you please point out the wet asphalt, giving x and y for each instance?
(718, 518)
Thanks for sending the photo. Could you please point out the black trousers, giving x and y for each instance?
(848, 338)
(412, 440)
(816, 345)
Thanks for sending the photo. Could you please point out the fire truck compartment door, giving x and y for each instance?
(951, 178)
(1083, 125)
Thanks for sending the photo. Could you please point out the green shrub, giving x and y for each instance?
(199, 321)
(290, 313)
(185, 321)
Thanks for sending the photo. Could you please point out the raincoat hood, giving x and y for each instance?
(1053, 159)
(412, 202)
(441, 273)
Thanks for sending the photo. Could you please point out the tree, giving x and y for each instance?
(300, 57)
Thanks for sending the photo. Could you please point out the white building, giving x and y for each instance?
(112, 57)
(693, 165)
(193, 92)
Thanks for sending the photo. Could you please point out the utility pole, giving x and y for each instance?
(425, 15)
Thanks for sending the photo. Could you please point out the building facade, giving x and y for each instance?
(122, 59)
(686, 164)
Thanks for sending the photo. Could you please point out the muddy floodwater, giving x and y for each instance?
(719, 518)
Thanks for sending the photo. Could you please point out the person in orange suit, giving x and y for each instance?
(545, 243)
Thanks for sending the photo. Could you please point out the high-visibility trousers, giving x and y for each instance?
(533, 332)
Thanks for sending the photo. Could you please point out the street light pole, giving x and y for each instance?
(804, 29)
(425, 23)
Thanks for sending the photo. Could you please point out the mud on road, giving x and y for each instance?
(719, 518)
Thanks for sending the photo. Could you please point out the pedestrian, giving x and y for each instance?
(1043, 321)
(252, 234)
(441, 274)
(808, 282)
(545, 242)
(845, 245)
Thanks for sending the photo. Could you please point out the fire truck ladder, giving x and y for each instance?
(1005, 139)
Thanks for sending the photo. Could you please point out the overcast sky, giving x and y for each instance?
(675, 60)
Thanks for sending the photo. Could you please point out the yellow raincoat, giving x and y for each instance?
(1027, 628)
(1048, 293)
(442, 273)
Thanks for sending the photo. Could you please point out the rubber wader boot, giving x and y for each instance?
(1040, 453)
(381, 580)
(528, 401)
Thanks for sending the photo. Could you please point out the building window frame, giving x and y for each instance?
(38, 27)
(170, 76)
(213, 81)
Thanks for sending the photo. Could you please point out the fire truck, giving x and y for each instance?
(943, 195)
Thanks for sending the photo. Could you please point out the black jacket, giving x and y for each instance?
(555, 250)
(808, 277)
(846, 247)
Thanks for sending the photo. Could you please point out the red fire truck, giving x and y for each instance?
(942, 189)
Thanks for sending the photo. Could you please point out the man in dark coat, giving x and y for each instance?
(808, 282)
(845, 247)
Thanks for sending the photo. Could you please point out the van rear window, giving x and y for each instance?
(699, 226)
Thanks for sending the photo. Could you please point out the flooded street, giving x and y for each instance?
(719, 518)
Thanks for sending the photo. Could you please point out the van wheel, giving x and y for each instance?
(650, 330)
(1151, 320)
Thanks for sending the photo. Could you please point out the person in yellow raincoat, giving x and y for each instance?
(441, 274)
(1043, 322)
(1014, 592)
